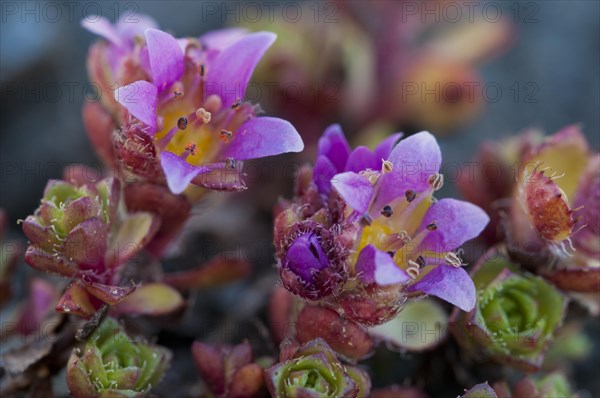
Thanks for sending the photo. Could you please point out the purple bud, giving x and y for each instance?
(305, 257)
(311, 261)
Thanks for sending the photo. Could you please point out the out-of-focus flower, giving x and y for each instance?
(113, 364)
(79, 232)
(385, 63)
(186, 120)
(552, 224)
(516, 315)
(9, 255)
(229, 371)
(365, 233)
(32, 315)
(313, 370)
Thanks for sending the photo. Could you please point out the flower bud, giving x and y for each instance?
(312, 264)
(516, 315)
(314, 370)
(113, 364)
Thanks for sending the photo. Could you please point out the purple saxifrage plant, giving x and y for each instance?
(365, 232)
(186, 120)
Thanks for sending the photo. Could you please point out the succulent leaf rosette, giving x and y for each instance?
(516, 315)
(313, 370)
(81, 232)
(113, 364)
(182, 118)
(365, 232)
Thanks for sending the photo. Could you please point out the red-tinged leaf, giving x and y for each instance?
(575, 279)
(47, 262)
(214, 273)
(247, 382)
(86, 243)
(39, 234)
(210, 364)
(346, 337)
(281, 312)
(151, 299)
(109, 294)
(78, 379)
(133, 234)
(78, 211)
(173, 210)
(76, 300)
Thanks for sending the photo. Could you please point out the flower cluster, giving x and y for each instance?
(364, 250)
(365, 233)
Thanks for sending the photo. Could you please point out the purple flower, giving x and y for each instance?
(382, 224)
(335, 156)
(187, 122)
(406, 224)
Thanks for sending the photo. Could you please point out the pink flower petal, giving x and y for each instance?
(263, 136)
(230, 72)
(355, 189)
(179, 173)
(449, 283)
(456, 222)
(376, 266)
(140, 100)
(166, 58)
